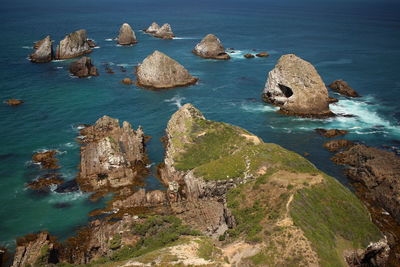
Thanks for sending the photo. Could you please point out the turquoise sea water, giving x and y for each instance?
(357, 41)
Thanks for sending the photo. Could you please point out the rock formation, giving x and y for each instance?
(91, 43)
(112, 156)
(343, 88)
(336, 145)
(376, 254)
(296, 87)
(262, 54)
(153, 28)
(165, 32)
(44, 183)
(126, 35)
(73, 45)
(211, 47)
(127, 81)
(46, 159)
(332, 100)
(249, 56)
(160, 71)
(329, 133)
(43, 52)
(83, 68)
(14, 102)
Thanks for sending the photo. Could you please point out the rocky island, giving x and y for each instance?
(83, 68)
(153, 28)
(343, 88)
(43, 51)
(211, 47)
(295, 86)
(165, 32)
(159, 71)
(126, 35)
(73, 45)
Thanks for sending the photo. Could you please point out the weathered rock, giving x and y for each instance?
(332, 100)
(211, 47)
(14, 102)
(160, 71)
(67, 187)
(35, 250)
(47, 159)
(249, 56)
(43, 52)
(112, 157)
(127, 81)
(126, 35)
(141, 198)
(336, 145)
(343, 88)
(73, 45)
(91, 43)
(262, 54)
(376, 254)
(165, 32)
(153, 28)
(378, 172)
(329, 133)
(44, 183)
(83, 68)
(296, 87)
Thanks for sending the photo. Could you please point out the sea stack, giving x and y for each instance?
(211, 47)
(126, 35)
(43, 52)
(159, 71)
(165, 32)
(296, 87)
(343, 88)
(73, 45)
(153, 28)
(83, 68)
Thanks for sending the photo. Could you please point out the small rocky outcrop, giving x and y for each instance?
(262, 54)
(159, 71)
(332, 100)
(14, 102)
(126, 35)
(44, 183)
(165, 32)
(112, 157)
(378, 172)
(376, 254)
(83, 68)
(336, 145)
(329, 133)
(153, 28)
(296, 87)
(127, 81)
(35, 250)
(211, 47)
(47, 159)
(73, 45)
(249, 56)
(91, 43)
(43, 52)
(343, 88)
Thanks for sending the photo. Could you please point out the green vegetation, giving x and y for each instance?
(43, 258)
(207, 250)
(115, 242)
(327, 212)
(260, 258)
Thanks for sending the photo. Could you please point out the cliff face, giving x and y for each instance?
(296, 87)
(73, 45)
(112, 156)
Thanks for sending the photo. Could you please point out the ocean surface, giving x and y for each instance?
(357, 41)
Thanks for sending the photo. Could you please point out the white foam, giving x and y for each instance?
(96, 47)
(109, 39)
(27, 47)
(258, 107)
(65, 197)
(184, 38)
(176, 100)
(125, 65)
(58, 60)
(340, 61)
(60, 67)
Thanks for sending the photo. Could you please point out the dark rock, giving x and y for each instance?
(343, 88)
(67, 187)
(43, 52)
(83, 68)
(14, 102)
(332, 100)
(47, 159)
(91, 43)
(329, 133)
(249, 56)
(262, 54)
(62, 205)
(375, 255)
(73, 45)
(211, 47)
(44, 183)
(336, 145)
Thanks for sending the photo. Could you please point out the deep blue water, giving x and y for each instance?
(357, 41)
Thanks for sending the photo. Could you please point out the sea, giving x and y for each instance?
(357, 41)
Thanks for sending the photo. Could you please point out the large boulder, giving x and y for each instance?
(126, 35)
(211, 47)
(153, 28)
(296, 87)
(43, 52)
(165, 32)
(343, 88)
(73, 45)
(160, 71)
(112, 157)
(83, 68)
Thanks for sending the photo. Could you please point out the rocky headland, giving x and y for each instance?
(211, 47)
(296, 87)
(83, 68)
(159, 71)
(73, 45)
(43, 51)
(126, 35)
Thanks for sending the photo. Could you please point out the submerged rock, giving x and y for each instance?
(211, 47)
(14, 102)
(43, 52)
(44, 183)
(126, 35)
(127, 81)
(73, 45)
(83, 68)
(249, 56)
(112, 156)
(46, 159)
(159, 71)
(153, 28)
(343, 88)
(296, 87)
(329, 133)
(165, 32)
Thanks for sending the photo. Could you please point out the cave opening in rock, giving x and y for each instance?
(287, 91)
